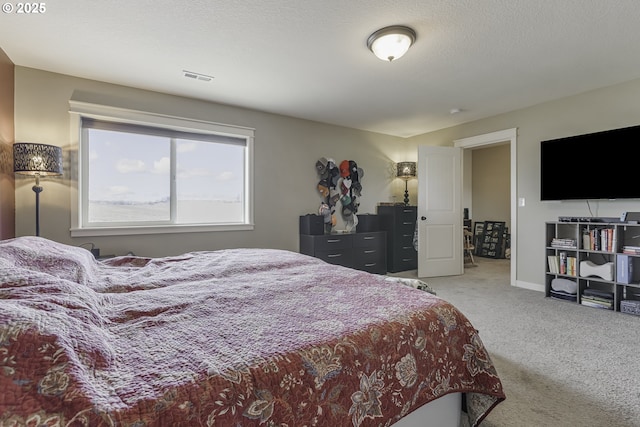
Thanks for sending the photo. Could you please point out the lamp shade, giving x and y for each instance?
(390, 43)
(406, 170)
(30, 158)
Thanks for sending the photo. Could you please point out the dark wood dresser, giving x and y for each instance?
(362, 251)
(399, 222)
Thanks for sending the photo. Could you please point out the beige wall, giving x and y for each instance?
(7, 204)
(607, 108)
(286, 150)
(491, 175)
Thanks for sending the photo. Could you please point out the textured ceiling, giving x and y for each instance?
(309, 59)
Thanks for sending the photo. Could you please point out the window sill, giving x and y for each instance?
(155, 229)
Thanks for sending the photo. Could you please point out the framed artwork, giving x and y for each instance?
(492, 242)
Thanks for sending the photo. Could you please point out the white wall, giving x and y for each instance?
(286, 150)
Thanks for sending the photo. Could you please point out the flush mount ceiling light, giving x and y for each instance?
(390, 43)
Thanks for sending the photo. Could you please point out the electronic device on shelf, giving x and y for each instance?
(604, 219)
(630, 217)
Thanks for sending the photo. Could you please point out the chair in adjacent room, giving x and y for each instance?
(468, 246)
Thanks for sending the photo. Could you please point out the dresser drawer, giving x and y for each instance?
(404, 258)
(405, 253)
(369, 254)
(404, 264)
(405, 244)
(337, 256)
(333, 242)
(407, 215)
(375, 267)
(369, 240)
(362, 251)
(405, 232)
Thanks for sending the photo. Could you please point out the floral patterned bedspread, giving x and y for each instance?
(240, 337)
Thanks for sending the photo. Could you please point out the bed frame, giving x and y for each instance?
(442, 412)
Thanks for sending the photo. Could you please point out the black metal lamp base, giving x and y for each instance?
(37, 189)
(406, 193)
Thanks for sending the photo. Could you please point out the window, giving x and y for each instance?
(146, 178)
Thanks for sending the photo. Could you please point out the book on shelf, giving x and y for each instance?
(600, 239)
(595, 304)
(572, 262)
(624, 268)
(597, 300)
(562, 264)
(557, 242)
(631, 250)
(591, 292)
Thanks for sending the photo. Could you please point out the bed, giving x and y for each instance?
(238, 337)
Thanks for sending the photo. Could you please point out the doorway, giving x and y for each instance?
(507, 136)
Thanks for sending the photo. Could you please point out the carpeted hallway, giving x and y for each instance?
(561, 364)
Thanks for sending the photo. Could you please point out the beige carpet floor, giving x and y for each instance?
(561, 364)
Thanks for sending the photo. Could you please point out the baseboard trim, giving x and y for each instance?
(530, 286)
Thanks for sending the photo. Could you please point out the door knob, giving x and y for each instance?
(424, 218)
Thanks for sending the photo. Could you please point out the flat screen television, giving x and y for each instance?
(601, 165)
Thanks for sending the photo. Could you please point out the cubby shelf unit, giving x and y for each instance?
(617, 243)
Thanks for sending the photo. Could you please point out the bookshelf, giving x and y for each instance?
(597, 262)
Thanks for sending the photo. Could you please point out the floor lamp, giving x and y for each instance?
(38, 160)
(406, 171)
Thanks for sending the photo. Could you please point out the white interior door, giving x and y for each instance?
(439, 211)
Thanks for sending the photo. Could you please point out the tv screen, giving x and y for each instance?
(600, 165)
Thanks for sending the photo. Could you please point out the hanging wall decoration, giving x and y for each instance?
(339, 184)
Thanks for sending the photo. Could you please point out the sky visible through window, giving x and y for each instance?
(134, 169)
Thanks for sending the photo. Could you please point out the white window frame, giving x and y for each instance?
(80, 109)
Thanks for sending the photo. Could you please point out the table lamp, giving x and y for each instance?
(406, 171)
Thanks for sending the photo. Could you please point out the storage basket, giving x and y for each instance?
(630, 307)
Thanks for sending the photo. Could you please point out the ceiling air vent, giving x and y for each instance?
(197, 76)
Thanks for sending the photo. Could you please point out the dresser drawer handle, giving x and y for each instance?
(407, 247)
(370, 265)
(407, 210)
(369, 237)
(408, 223)
(333, 240)
(372, 251)
(407, 259)
(407, 235)
(334, 255)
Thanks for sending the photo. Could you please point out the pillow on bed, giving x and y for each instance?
(46, 256)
